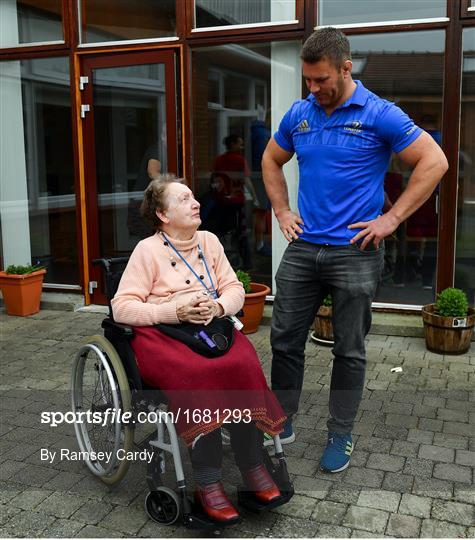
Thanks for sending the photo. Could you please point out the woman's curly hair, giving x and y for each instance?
(155, 198)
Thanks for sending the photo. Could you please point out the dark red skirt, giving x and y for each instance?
(206, 393)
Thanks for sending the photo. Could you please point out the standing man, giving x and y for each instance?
(343, 136)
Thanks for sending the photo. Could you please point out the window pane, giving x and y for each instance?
(32, 21)
(130, 133)
(465, 250)
(364, 11)
(237, 103)
(38, 205)
(111, 20)
(210, 13)
(406, 68)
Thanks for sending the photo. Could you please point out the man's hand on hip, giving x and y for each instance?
(374, 230)
(289, 223)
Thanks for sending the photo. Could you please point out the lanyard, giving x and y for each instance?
(212, 291)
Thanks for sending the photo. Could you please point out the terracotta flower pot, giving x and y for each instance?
(22, 292)
(254, 307)
(447, 335)
(322, 327)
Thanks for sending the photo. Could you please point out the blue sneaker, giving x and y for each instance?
(286, 437)
(337, 454)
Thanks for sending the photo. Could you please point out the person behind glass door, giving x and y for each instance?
(149, 169)
(343, 136)
(234, 166)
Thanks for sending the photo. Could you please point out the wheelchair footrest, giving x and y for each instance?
(197, 519)
(247, 500)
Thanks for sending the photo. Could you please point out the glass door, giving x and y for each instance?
(130, 136)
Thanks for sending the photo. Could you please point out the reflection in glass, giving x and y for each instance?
(209, 13)
(38, 204)
(109, 20)
(31, 21)
(365, 11)
(407, 68)
(465, 240)
(233, 88)
(131, 149)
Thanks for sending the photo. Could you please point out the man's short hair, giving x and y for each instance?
(326, 43)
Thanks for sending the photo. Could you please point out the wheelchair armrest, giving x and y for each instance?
(122, 330)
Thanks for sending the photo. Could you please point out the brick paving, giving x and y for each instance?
(411, 475)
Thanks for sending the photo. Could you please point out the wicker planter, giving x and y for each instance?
(447, 335)
(323, 328)
(254, 307)
(22, 292)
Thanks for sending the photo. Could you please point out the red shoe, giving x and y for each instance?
(215, 502)
(260, 482)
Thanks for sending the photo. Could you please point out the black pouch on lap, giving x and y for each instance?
(217, 338)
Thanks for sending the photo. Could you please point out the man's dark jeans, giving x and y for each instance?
(306, 274)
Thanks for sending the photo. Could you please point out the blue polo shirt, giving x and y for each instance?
(342, 160)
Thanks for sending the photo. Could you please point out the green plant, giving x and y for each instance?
(451, 303)
(327, 301)
(23, 269)
(245, 279)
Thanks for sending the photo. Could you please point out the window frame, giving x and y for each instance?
(467, 11)
(78, 17)
(384, 26)
(53, 45)
(297, 23)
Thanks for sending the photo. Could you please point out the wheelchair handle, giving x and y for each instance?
(107, 263)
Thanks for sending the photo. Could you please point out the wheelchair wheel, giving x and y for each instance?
(99, 387)
(162, 505)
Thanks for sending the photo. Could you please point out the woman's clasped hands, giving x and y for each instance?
(199, 309)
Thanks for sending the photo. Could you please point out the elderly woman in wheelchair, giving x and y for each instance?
(179, 291)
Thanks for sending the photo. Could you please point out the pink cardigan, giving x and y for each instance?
(150, 285)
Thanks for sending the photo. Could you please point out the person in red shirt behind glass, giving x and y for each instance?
(232, 166)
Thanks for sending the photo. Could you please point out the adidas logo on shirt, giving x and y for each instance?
(303, 126)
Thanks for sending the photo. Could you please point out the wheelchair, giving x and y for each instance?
(105, 379)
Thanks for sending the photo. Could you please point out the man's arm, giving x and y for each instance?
(153, 168)
(273, 159)
(430, 164)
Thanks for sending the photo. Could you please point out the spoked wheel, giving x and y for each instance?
(163, 505)
(100, 389)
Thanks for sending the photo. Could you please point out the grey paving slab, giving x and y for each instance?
(413, 505)
(366, 519)
(63, 528)
(411, 473)
(380, 499)
(453, 472)
(436, 453)
(287, 527)
(432, 528)
(433, 487)
(462, 514)
(329, 512)
(403, 526)
(333, 531)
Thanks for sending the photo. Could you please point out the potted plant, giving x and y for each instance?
(254, 302)
(322, 326)
(448, 324)
(21, 288)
